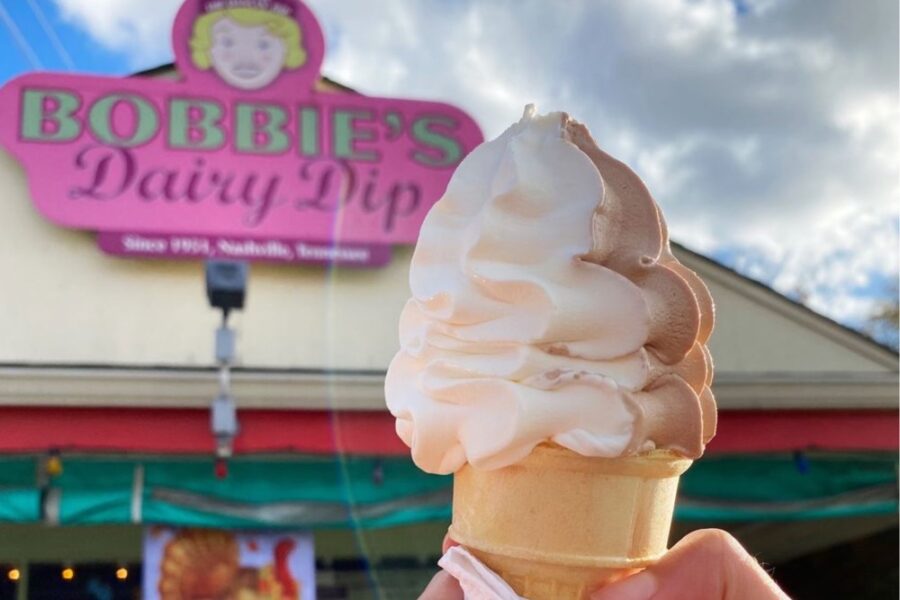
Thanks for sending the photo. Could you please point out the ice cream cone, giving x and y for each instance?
(558, 525)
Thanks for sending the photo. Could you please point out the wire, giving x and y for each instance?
(19, 39)
(51, 33)
(343, 466)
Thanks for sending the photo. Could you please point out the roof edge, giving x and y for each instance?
(792, 304)
(303, 389)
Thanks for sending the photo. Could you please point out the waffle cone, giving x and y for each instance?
(558, 525)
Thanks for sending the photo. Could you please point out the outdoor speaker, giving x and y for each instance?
(226, 283)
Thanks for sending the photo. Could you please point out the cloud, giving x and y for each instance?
(746, 127)
(765, 128)
(845, 269)
(140, 29)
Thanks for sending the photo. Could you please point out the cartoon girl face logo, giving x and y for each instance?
(247, 47)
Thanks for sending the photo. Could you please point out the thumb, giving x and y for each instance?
(708, 564)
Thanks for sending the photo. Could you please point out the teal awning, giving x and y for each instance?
(19, 496)
(789, 487)
(325, 492)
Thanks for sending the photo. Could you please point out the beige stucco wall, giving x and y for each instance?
(759, 332)
(64, 301)
(750, 337)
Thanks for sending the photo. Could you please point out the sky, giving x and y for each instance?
(768, 130)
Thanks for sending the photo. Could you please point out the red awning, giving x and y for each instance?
(173, 431)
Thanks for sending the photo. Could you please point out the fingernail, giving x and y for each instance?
(642, 586)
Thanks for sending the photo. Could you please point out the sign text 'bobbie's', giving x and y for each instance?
(244, 147)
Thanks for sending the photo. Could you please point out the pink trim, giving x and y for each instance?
(172, 431)
(772, 431)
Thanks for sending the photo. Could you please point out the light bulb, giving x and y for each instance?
(13, 574)
(122, 573)
(68, 573)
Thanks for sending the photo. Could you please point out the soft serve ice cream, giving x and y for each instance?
(547, 307)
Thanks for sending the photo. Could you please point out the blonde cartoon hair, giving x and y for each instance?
(281, 26)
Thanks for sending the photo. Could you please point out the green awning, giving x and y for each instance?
(19, 496)
(325, 492)
(789, 487)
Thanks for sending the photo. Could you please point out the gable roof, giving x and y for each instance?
(796, 311)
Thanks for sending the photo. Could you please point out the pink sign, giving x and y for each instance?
(242, 149)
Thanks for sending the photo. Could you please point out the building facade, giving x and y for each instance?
(107, 375)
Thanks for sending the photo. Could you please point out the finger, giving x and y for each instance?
(442, 587)
(448, 543)
(708, 564)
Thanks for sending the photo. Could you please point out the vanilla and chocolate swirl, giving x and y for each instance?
(547, 307)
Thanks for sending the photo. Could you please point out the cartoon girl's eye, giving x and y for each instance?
(227, 42)
(264, 44)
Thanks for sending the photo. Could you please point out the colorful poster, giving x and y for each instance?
(212, 564)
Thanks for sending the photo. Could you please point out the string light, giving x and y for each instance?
(13, 574)
(68, 573)
(53, 464)
(121, 573)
